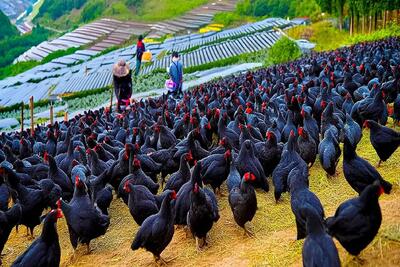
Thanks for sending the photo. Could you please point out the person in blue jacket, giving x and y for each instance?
(176, 74)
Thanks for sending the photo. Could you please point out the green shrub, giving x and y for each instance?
(284, 50)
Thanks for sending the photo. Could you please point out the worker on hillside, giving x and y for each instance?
(140, 48)
(176, 73)
(122, 77)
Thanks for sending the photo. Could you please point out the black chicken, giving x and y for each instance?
(307, 147)
(358, 172)
(302, 197)
(248, 162)
(45, 250)
(243, 202)
(8, 219)
(357, 220)
(268, 153)
(179, 178)
(215, 169)
(157, 230)
(329, 153)
(85, 222)
(384, 140)
(202, 214)
(319, 248)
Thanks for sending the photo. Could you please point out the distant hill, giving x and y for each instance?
(6, 28)
(14, 8)
(67, 14)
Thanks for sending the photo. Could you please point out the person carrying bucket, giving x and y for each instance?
(140, 49)
(176, 74)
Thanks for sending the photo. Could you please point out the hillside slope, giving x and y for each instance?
(67, 14)
(6, 28)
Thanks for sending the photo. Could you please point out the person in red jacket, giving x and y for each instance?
(140, 48)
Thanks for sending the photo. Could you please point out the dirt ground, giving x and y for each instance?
(274, 243)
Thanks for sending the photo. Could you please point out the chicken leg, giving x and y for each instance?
(247, 232)
(379, 163)
(160, 261)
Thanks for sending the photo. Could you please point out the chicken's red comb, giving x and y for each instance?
(173, 195)
(88, 151)
(46, 156)
(196, 188)
(136, 162)
(381, 190)
(222, 142)
(227, 154)
(249, 110)
(248, 176)
(302, 112)
(300, 131)
(126, 187)
(97, 147)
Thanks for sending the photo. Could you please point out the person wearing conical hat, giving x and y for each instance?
(122, 77)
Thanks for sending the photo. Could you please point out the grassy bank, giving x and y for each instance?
(328, 37)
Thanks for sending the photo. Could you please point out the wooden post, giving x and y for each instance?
(32, 120)
(111, 100)
(66, 116)
(22, 116)
(51, 114)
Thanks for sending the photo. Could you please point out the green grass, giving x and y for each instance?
(328, 37)
(322, 33)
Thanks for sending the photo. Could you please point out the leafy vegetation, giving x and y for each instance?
(6, 28)
(284, 50)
